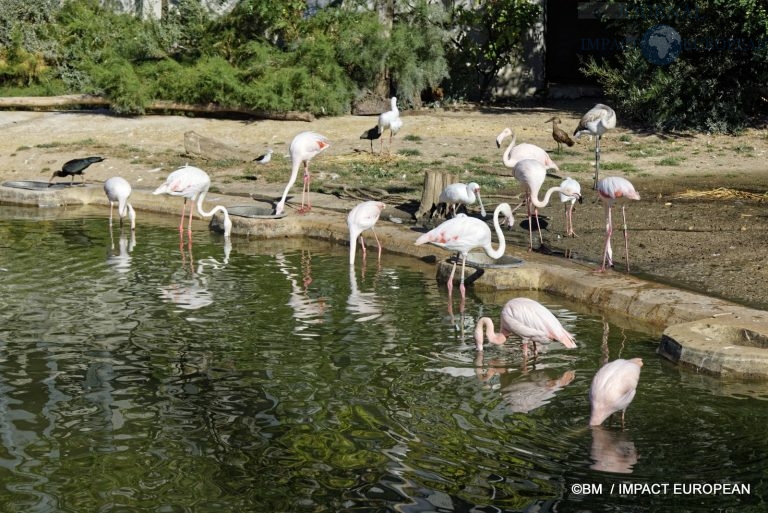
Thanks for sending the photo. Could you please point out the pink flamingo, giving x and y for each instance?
(531, 174)
(613, 388)
(304, 147)
(389, 120)
(513, 154)
(465, 193)
(529, 320)
(570, 193)
(598, 120)
(363, 217)
(118, 190)
(462, 234)
(613, 189)
(192, 183)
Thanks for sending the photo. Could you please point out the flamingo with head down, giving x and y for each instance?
(613, 389)
(304, 147)
(363, 217)
(529, 320)
(461, 193)
(118, 190)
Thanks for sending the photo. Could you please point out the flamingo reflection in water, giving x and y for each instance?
(120, 258)
(365, 306)
(612, 451)
(189, 289)
(523, 392)
(307, 309)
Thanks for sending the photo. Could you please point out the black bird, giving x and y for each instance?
(371, 134)
(75, 167)
(543, 223)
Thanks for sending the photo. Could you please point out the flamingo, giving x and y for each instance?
(456, 193)
(192, 183)
(558, 134)
(571, 191)
(613, 389)
(363, 217)
(304, 147)
(613, 189)
(386, 121)
(598, 120)
(118, 190)
(462, 234)
(515, 153)
(75, 167)
(529, 320)
(531, 174)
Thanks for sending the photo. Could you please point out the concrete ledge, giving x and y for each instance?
(726, 348)
(703, 332)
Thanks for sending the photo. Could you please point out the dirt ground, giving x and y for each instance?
(701, 223)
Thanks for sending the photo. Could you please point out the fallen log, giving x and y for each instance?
(89, 100)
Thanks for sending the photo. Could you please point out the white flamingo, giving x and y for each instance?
(598, 120)
(461, 193)
(304, 147)
(192, 183)
(363, 217)
(118, 190)
(613, 189)
(515, 153)
(462, 234)
(613, 388)
(571, 191)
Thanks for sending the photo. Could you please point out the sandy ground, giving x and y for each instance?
(685, 231)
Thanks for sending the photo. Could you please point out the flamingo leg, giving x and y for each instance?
(189, 224)
(530, 228)
(626, 243)
(111, 205)
(461, 284)
(305, 192)
(378, 243)
(571, 233)
(450, 279)
(597, 161)
(362, 247)
(183, 213)
(607, 253)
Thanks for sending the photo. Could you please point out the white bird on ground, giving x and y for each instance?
(615, 189)
(265, 158)
(461, 193)
(462, 234)
(192, 183)
(598, 120)
(515, 153)
(363, 217)
(118, 190)
(570, 192)
(386, 121)
(304, 147)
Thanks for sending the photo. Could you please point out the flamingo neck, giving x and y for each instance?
(499, 251)
(545, 201)
(212, 212)
(132, 216)
(506, 156)
(352, 247)
(484, 327)
(294, 174)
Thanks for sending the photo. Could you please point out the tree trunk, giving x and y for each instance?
(434, 183)
(385, 9)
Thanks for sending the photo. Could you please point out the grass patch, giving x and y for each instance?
(409, 152)
(574, 167)
(626, 167)
(625, 138)
(412, 138)
(670, 161)
(743, 149)
(479, 160)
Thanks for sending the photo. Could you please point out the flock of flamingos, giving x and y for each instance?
(613, 386)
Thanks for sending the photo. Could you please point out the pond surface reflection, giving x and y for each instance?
(138, 375)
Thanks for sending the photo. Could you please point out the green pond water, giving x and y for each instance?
(140, 376)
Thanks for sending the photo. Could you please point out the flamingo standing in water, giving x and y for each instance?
(118, 190)
(613, 389)
(363, 217)
(304, 147)
(515, 153)
(462, 234)
(457, 193)
(529, 320)
(192, 183)
(531, 174)
(389, 119)
(571, 191)
(613, 189)
(598, 120)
